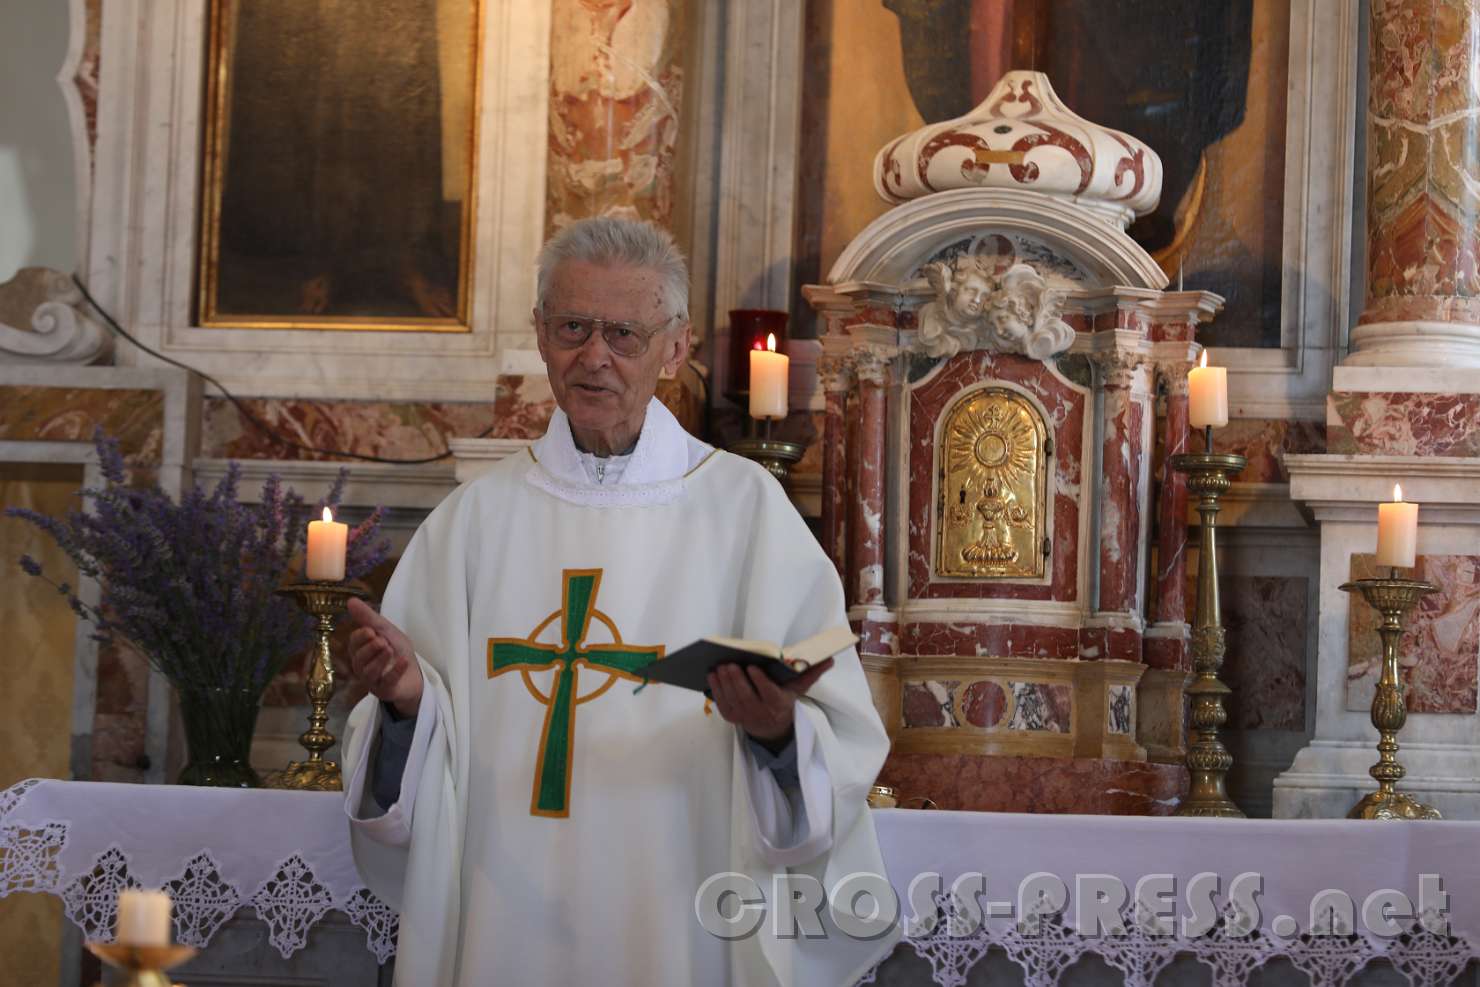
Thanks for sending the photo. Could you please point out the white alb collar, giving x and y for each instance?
(654, 474)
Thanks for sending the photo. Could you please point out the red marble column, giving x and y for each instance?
(852, 430)
(1170, 650)
(868, 534)
(835, 376)
(1171, 511)
(1122, 453)
(1423, 198)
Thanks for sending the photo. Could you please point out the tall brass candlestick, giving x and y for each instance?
(325, 602)
(1392, 598)
(1208, 477)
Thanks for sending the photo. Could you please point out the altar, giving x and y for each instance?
(1011, 897)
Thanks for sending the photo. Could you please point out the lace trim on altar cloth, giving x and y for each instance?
(1044, 947)
(291, 901)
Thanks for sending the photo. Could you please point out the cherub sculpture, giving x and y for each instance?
(1025, 316)
(974, 308)
(963, 289)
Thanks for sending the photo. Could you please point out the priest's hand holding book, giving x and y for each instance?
(749, 699)
(382, 657)
(754, 684)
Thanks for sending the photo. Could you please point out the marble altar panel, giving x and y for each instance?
(930, 703)
(1264, 442)
(984, 702)
(1037, 784)
(400, 430)
(1404, 424)
(999, 639)
(1266, 618)
(135, 417)
(1041, 706)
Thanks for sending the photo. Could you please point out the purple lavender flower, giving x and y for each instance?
(191, 584)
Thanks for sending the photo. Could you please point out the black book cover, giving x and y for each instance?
(690, 666)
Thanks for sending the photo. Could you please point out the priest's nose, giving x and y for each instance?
(594, 353)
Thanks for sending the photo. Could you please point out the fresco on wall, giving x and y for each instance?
(616, 87)
(1203, 84)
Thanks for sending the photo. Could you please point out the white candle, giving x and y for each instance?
(1207, 395)
(1397, 532)
(327, 541)
(143, 918)
(768, 381)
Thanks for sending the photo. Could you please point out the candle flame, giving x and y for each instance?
(1204, 361)
(771, 341)
(1398, 493)
(328, 515)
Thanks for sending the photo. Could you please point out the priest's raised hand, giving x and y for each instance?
(382, 657)
(766, 711)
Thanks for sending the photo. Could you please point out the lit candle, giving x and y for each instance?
(327, 540)
(1207, 395)
(768, 380)
(143, 918)
(1397, 531)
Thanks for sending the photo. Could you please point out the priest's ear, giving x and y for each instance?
(676, 347)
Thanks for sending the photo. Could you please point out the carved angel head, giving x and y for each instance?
(970, 288)
(1025, 315)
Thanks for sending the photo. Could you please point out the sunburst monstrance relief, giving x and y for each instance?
(993, 467)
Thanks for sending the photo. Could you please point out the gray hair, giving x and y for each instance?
(627, 242)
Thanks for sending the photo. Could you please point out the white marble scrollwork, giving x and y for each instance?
(1012, 312)
(61, 329)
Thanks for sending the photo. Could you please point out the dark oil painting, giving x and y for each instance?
(339, 164)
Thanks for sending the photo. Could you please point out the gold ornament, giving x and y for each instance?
(990, 516)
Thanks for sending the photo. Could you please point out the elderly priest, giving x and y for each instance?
(536, 818)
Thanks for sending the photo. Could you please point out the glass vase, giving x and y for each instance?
(219, 724)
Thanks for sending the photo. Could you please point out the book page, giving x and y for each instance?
(754, 647)
(821, 646)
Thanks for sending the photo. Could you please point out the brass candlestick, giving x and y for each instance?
(1208, 477)
(145, 964)
(775, 455)
(1392, 598)
(325, 602)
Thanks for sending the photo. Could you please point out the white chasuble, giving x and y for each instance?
(554, 823)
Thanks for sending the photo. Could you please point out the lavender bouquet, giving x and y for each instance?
(190, 584)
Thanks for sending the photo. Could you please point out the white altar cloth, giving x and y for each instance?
(286, 854)
(1295, 859)
(216, 850)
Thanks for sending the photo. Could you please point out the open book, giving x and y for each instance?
(690, 666)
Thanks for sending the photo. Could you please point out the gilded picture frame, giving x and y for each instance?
(339, 165)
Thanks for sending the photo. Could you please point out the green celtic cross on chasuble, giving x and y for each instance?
(524, 655)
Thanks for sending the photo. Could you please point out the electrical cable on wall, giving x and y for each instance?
(246, 412)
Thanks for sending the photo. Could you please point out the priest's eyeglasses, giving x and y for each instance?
(570, 332)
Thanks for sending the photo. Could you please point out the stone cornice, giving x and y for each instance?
(1348, 488)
